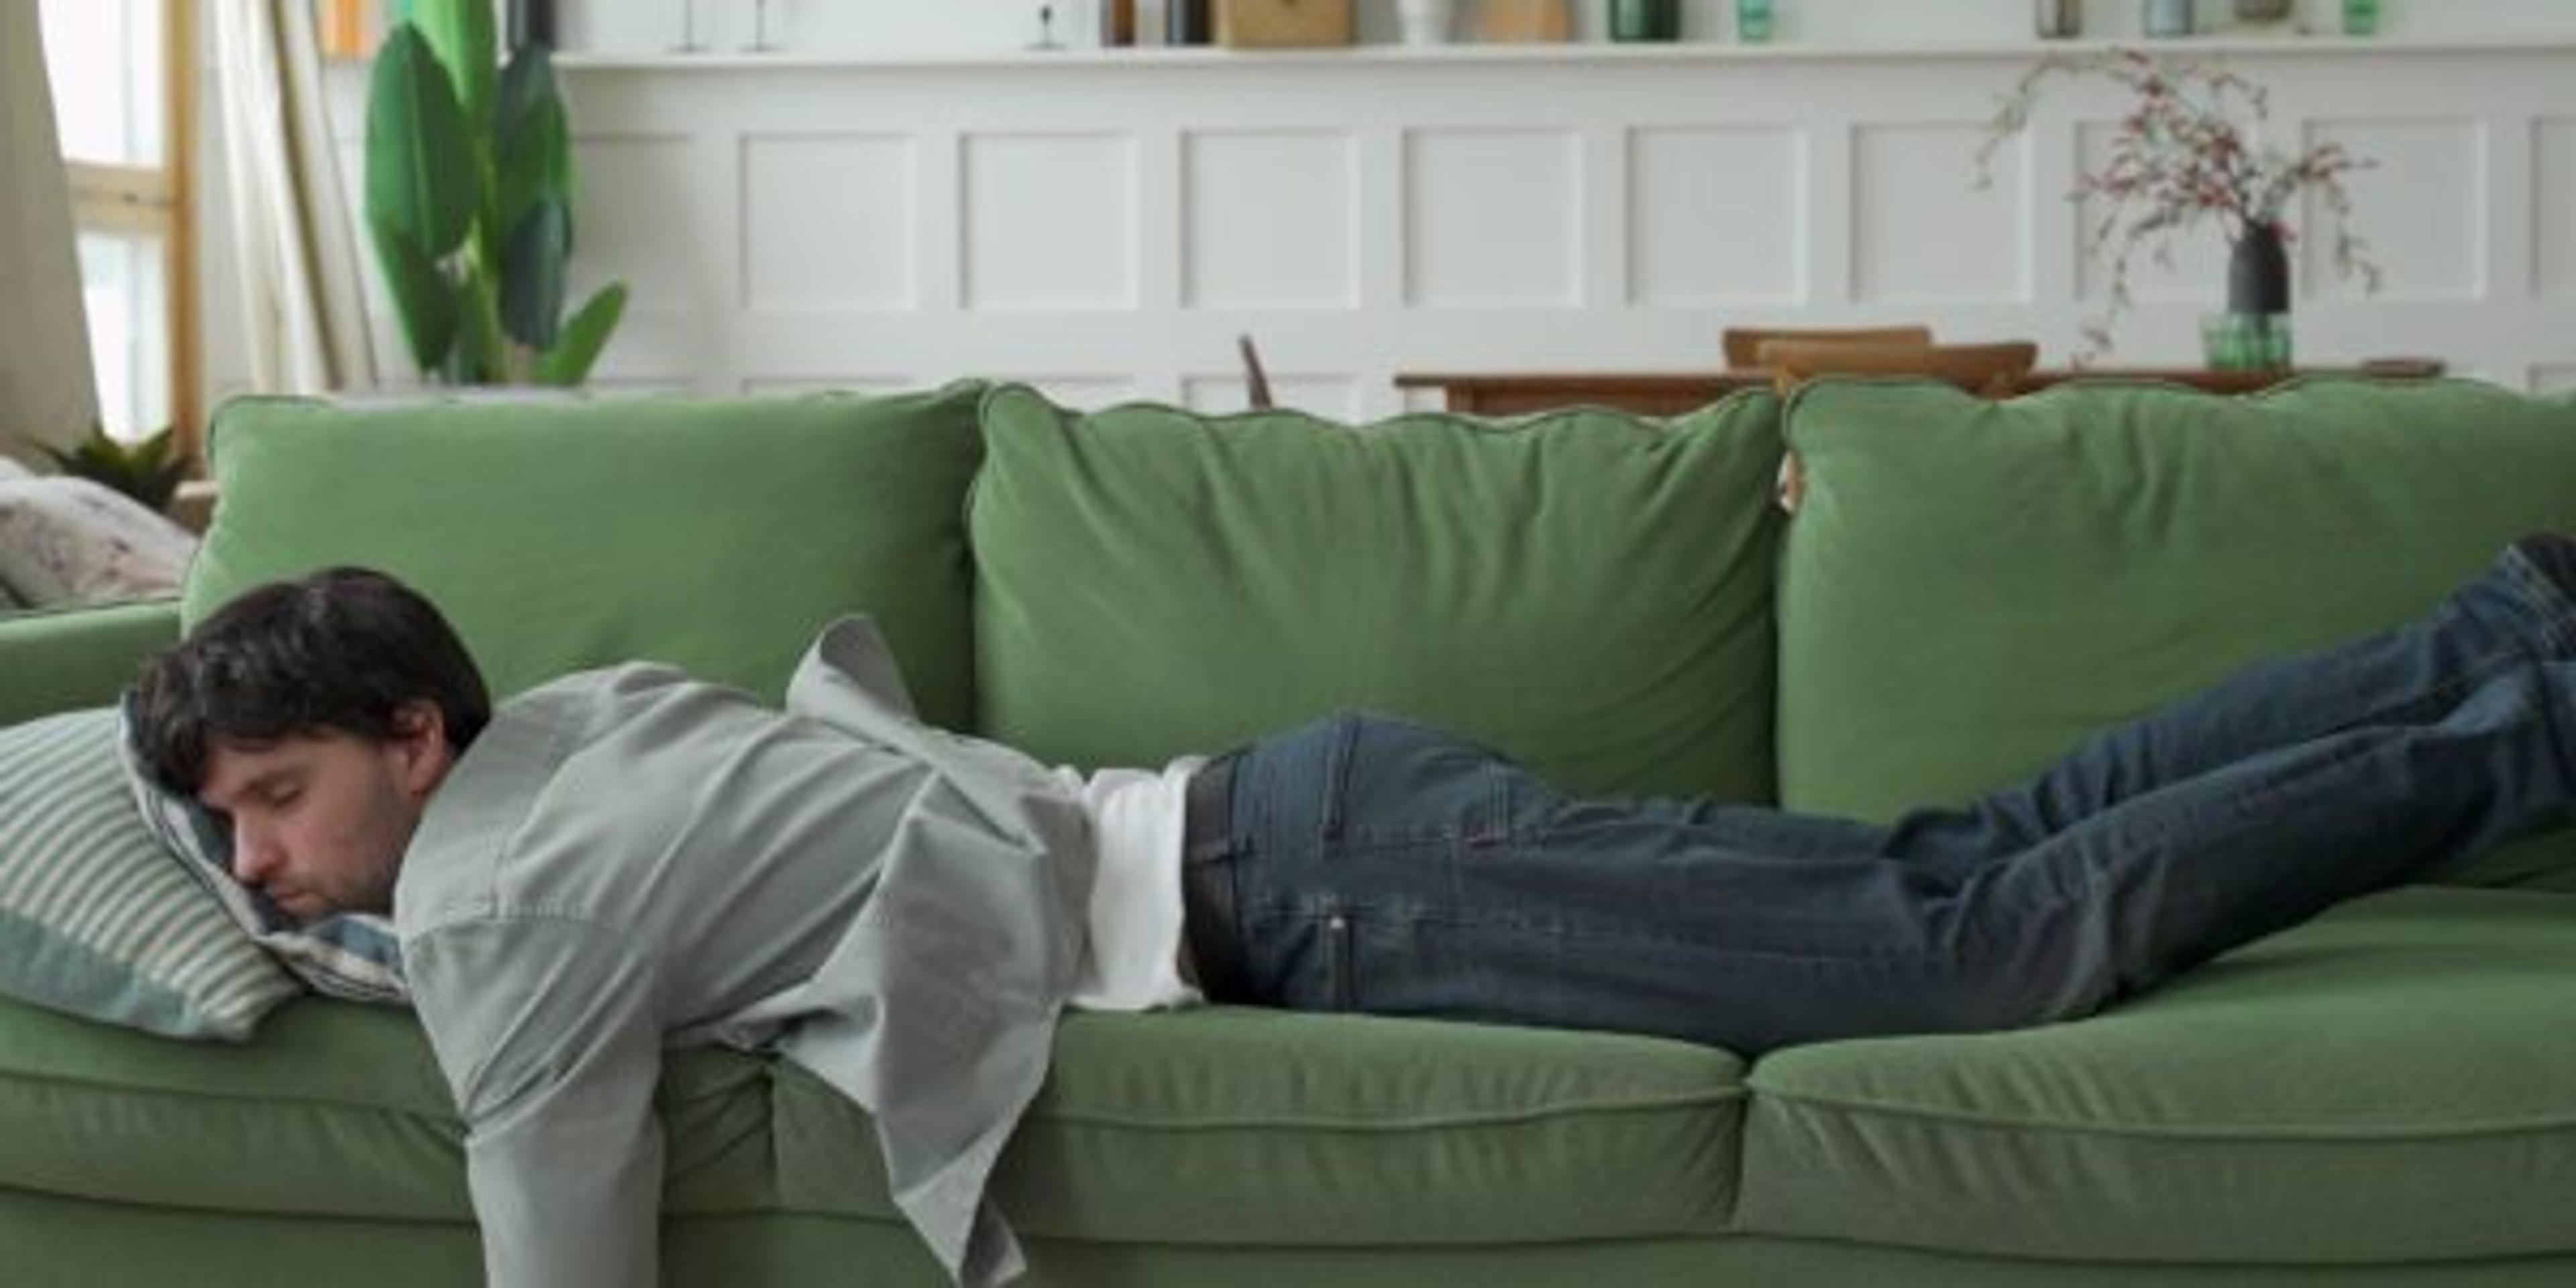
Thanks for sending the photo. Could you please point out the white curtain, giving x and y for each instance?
(45, 390)
(304, 310)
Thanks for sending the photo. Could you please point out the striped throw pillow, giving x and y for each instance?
(94, 917)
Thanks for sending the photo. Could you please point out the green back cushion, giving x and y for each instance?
(1587, 591)
(1971, 586)
(95, 917)
(715, 535)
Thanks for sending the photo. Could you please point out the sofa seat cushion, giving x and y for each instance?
(1241, 1126)
(336, 1111)
(2394, 1081)
(1585, 590)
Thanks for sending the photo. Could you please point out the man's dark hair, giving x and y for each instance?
(342, 649)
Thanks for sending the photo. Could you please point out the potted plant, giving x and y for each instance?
(146, 470)
(469, 203)
(2190, 150)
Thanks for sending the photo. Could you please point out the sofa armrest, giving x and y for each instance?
(71, 658)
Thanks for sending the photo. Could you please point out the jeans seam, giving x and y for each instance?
(2557, 614)
(1351, 911)
(1339, 753)
(2447, 691)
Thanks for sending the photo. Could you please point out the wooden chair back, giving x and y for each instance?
(1743, 344)
(1992, 370)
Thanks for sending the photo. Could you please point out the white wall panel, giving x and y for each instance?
(1493, 218)
(638, 216)
(1717, 215)
(829, 222)
(1106, 226)
(1921, 232)
(1050, 221)
(2178, 270)
(2553, 222)
(2436, 172)
(1272, 219)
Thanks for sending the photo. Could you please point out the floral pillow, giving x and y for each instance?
(69, 540)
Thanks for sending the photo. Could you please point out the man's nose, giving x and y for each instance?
(255, 854)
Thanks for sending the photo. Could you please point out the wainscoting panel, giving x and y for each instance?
(1923, 236)
(1493, 218)
(1718, 216)
(2553, 219)
(2439, 171)
(830, 222)
(1272, 220)
(1050, 222)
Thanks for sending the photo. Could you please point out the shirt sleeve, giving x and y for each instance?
(547, 1032)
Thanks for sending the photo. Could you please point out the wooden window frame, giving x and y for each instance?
(159, 201)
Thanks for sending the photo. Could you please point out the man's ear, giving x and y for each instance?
(420, 746)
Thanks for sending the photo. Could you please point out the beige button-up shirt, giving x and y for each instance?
(628, 860)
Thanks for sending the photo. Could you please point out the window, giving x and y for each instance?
(122, 73)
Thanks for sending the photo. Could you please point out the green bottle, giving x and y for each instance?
(1645, 19)
(1753, 21)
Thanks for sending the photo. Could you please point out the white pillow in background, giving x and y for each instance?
(68, 540)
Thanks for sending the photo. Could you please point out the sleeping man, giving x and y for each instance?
(627, 860)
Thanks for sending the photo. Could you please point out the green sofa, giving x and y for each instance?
(2384, 1095)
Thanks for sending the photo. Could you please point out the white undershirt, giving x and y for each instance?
(1132, 961)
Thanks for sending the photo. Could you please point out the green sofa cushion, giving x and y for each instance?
(1222, 1126)
(336, 1111)
(1587, 591)
(716, 535)
(1240, 1126)
(67, 659)
(1971, 586)
(2395, 1081)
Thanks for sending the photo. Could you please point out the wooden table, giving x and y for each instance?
(1672, 393)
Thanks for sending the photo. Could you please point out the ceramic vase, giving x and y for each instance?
(2258, 272)
(1426, 22)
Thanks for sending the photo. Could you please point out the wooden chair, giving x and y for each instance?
(1989, 369)
(1744, 343)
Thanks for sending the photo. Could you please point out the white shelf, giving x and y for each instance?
(1377, 56)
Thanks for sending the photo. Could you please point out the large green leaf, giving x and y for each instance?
(532, 274)
(422, 178)
(461, 32)
(532, 155)
(423, 297)
(568, 363)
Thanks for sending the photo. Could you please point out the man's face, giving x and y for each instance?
(320, 821)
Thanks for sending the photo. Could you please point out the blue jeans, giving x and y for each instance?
(1369, 864)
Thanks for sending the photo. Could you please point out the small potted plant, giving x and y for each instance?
(2190, 150)
(148, 470)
